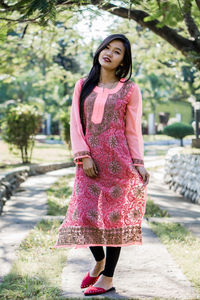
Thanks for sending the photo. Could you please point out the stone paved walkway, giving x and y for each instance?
(180, 209)
(22, 212)
(143, 272)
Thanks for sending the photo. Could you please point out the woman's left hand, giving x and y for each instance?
(144, 174)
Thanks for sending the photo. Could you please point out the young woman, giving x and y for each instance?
(109, 196)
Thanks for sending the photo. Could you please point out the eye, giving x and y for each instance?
(117, 52)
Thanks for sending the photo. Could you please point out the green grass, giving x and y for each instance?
(58, 196)
(42, 153)
(180, 243)
(183, 247)
(161, 137)
(173, 107)
(195, 151)
(153, 210)
(36, 274)
(156, 137)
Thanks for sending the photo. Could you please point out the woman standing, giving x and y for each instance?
(109, 196)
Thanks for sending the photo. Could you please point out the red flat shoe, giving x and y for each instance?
(88, 280)
(94, 290)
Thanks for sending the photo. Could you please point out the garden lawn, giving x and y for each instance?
(36, 274)
(59, 195)
(162, 137)
(42, 153)
(184, 248)
(181, 244)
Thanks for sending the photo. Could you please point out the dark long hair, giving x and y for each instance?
(93, 77)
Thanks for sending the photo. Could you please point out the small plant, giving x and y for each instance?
(153, 210)
(179, 130)
(65, 120)
(20, 124)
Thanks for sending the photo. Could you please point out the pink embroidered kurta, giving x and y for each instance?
(108, 209)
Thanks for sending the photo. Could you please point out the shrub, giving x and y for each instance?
(65, 120)
(179, 130)
(20, 124)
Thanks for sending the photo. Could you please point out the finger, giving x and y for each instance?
(87, 172)
(142, 175)
(148, 176)
(95, 169)
(92, 172)
(146, 180)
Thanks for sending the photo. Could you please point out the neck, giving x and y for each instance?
(107, 76)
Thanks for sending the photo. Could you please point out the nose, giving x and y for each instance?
(109, 52)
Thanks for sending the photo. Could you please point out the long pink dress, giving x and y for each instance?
(106, 210)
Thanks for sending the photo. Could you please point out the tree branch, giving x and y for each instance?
(170, 35)
(20, 20)
(24, 31)
(189, 21)
(4, 5)
(73, 2)
(198, 3)
(7, 7)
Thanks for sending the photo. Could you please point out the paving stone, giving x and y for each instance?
(142, 272)
(22, 212)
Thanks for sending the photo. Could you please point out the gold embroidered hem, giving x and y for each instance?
(76, 235)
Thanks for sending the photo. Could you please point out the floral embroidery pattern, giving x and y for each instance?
(116, 192)
(114, 167)
(115, 116)
(93, 214)
(111, 206)
(114, 216)
(75, 214)
(94, 189)
(135, 214)
(139, 192)
(110, 110)
(76, 188)
(93, 141)
(113, 141)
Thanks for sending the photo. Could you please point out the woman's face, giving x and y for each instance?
(112, 56)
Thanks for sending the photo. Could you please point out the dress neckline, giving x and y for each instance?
(100, 89)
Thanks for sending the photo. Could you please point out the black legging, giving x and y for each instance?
(112, 256)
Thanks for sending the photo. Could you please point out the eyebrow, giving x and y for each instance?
(116, 48)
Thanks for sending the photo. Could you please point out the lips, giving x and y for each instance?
(107, 59)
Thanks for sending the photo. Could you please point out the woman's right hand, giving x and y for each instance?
(89, 167)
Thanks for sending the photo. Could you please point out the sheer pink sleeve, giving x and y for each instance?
(133, 129)
(80, 148)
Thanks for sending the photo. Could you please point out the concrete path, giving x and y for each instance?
(143, 272)
(180, 209)
(22, 212)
